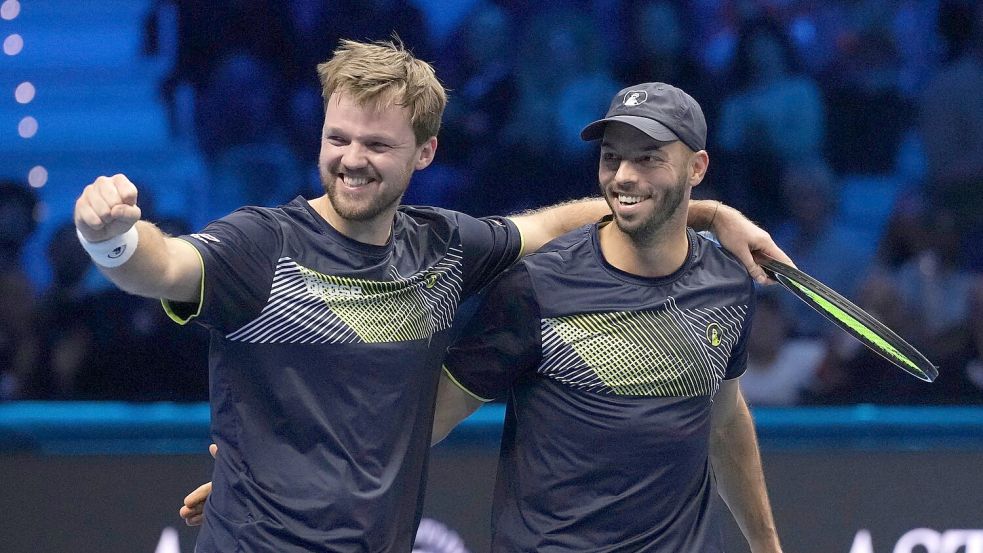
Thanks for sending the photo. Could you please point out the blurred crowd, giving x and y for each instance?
(851, 129)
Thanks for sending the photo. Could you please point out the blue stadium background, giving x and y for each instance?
(851, 129)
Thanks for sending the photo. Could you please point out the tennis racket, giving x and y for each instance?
(844, 314)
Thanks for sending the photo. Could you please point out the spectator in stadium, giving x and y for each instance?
(19, 345)
(951, 120)
(780, 367)
(775, 116)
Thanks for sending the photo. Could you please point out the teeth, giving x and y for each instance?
(356, 181)
(629, 200)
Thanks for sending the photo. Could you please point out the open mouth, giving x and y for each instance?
(628, 200)
(353, 181)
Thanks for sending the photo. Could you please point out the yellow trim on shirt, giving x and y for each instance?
(201, 294)
(461, 386)
(522, 243)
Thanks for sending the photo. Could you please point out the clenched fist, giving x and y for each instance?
(107, 208)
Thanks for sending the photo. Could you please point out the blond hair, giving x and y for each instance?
(384, 73)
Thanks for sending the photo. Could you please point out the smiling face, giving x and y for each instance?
(645, 181)
(368, 155)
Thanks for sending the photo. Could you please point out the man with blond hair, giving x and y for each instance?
(329, 318)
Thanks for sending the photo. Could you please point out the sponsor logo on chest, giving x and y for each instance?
(331, 290)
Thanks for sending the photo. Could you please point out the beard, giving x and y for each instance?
(646, 230)
(388, 198)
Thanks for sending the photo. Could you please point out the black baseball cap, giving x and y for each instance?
(660, 110)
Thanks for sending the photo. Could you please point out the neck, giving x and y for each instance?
(374, 231)
(657, 256)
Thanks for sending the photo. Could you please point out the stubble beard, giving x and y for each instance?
(648, 230)
(352, 211)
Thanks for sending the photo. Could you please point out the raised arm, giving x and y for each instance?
(539, 226)
(737, 465)
(133, 254)
(737, 234)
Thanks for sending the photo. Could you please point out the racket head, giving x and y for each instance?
(854, 320)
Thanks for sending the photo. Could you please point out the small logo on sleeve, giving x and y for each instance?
(431, 280)
(116, 252)
(714, 334)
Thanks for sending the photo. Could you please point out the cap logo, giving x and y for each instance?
(635, 97)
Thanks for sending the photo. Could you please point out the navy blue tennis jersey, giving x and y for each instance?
(609, 379)
(324, 361)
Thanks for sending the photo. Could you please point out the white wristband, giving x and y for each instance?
(113, 252)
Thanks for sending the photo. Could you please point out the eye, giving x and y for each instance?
(379, 146)
(610, 161)
(336, 140)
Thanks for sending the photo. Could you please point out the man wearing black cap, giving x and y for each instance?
(619, 348)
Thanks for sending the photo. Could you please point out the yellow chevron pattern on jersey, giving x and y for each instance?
(666, 352)
(376, 311)
(306, 306)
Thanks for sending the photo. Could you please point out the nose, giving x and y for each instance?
(353, 156)
(626, 172)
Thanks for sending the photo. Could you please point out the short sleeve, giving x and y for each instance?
(239, 255)
(737, 363)
(491, 245)
(502, 341)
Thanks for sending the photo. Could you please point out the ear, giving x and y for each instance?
(425, 153)
(698, 164)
